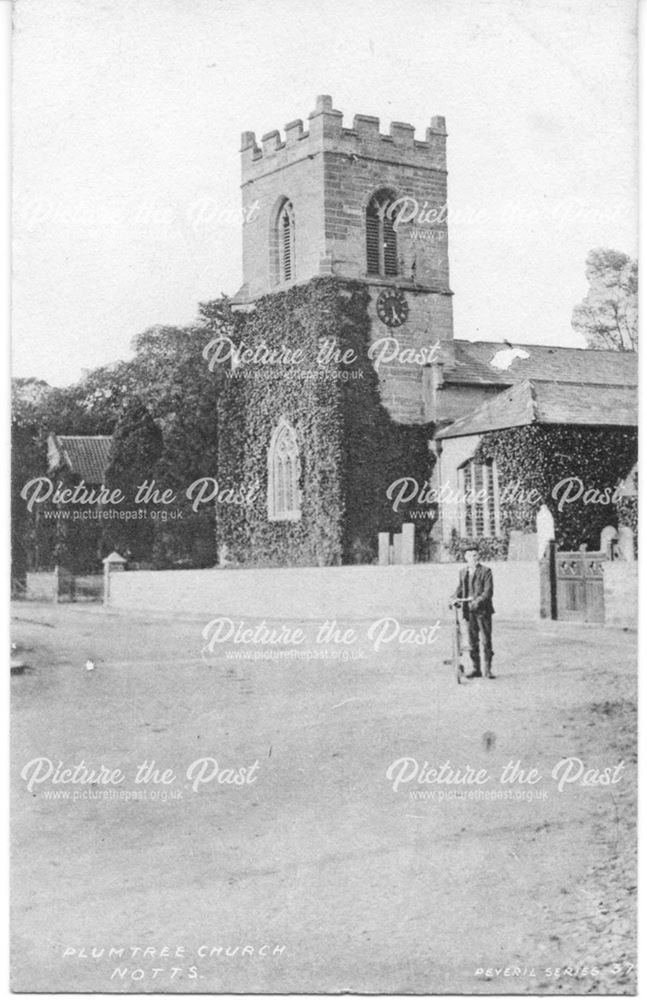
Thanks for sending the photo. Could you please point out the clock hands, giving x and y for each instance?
(392, 310)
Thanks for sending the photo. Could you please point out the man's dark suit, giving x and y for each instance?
(478, 612)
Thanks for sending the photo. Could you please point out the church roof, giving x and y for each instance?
(86, 456)
(480, 362)
(537, 402)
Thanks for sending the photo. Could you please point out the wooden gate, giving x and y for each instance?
(75, 587)
(576, 584)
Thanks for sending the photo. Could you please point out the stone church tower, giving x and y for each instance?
(344, 243)
(355, 204)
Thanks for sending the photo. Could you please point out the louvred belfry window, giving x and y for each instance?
(381, 240)
(372, 240)
(286, 242)
(283, 472)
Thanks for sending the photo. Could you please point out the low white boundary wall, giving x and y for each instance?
(621, 594)
(41, 586)
(419, 591)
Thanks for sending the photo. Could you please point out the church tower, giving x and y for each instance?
(355, 204)
(344, 245)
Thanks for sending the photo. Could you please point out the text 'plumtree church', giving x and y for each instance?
(350, 395)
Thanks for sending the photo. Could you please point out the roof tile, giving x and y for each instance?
(469, 362)
(530, 402)
(86, 456)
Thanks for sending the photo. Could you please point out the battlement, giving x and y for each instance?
(327, 134)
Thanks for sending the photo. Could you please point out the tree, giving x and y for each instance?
(189, 454)
(167, 376)
(136, 447)
(37, 410)
(182, 394)
(607, 317)
(27, 398)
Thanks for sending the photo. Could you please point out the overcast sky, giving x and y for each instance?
(128, 114)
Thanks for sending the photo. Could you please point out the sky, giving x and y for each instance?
(127, 117)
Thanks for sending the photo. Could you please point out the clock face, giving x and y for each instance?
(392, 307)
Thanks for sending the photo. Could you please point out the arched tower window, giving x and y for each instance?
(381, 239)
(285, 241)
(283, 471)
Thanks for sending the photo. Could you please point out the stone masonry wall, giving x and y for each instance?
(621, 594)
(330, 173)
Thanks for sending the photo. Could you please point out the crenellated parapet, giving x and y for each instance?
(326, 177)
(326, 134)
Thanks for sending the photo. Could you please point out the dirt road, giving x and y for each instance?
(290, 845)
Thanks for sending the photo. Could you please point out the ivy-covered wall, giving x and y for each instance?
(350, 449)
(539, 457)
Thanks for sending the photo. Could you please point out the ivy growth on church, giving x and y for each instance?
(539, 457)
(350, 448)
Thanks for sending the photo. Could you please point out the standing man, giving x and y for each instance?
(476, 587)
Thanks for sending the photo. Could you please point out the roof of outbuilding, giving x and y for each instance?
(537, 402)
(86, 456)
(470, 362)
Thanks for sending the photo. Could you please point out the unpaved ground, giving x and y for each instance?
(318, 876)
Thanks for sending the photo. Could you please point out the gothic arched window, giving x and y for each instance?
(381, 240)
(283, 471)
(285, 241)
